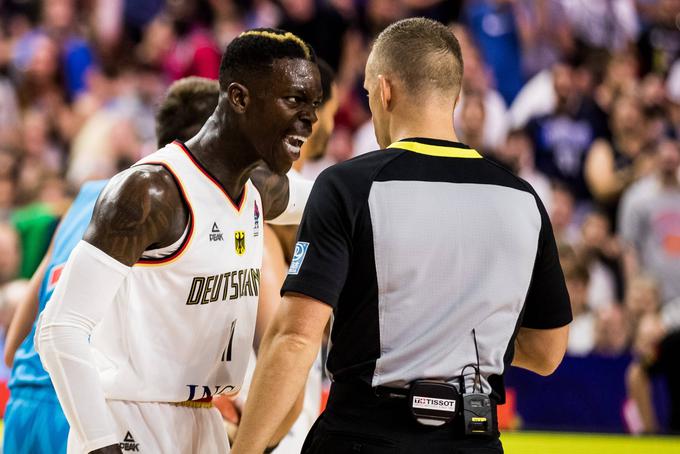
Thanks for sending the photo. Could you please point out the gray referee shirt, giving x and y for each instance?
(414, 247)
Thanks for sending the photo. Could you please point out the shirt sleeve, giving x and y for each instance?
(322, 253)
(547, 303)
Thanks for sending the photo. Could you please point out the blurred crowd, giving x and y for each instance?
(579, 97)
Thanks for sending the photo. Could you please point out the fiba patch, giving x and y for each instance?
(298, 257)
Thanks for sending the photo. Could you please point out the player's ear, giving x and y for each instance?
(385, 87)
(238, 97)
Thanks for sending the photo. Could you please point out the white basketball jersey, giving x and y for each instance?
(181, 327)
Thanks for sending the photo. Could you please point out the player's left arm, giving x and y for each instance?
(287, 352)
(283, 196)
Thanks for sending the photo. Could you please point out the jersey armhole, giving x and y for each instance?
(168, 254)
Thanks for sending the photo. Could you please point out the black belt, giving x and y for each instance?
(362, 398)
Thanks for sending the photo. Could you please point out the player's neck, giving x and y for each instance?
(224, 155)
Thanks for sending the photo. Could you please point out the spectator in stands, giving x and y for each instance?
(642, 298)
(318, 24)
(649, 222)
(604, 24)
(517, 154)
(563, 137)
(614, 164)
(493, 25)
(472, 116)
(562, 214)
(599, 251)
(582, 329)
(612, 337)
(476, 82)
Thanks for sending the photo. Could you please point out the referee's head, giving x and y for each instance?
(415, 65)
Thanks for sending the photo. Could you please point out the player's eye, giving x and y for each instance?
(293, 99)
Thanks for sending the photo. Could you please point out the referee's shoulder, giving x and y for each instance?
(510, 178)
(360, 169)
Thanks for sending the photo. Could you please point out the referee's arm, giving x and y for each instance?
(291, 343)
(542, 339)
(287, 352)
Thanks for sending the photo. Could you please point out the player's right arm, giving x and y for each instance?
(140, 208)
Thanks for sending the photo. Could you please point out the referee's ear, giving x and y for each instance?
(385, 92)
(455, 103)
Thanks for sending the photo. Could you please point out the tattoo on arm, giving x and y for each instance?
(139, 208)
(274, 191)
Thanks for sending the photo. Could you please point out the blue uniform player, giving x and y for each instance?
(34, 421)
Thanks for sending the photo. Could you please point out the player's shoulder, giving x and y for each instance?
(137, 193)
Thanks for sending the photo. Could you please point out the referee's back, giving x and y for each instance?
(422, 243)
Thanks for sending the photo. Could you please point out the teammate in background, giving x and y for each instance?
(33, 405)
(165, 282)
(279, 242)
(418, 299)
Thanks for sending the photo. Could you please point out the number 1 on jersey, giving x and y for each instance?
(226, 354)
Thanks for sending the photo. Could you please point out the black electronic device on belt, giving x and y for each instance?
(478, 410)
(478, 414)
(434, 402)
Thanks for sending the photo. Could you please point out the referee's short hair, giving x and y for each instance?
(423, 53)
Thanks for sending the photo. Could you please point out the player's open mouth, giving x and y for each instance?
(293, 143)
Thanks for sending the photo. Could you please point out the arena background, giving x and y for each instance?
(579, 97)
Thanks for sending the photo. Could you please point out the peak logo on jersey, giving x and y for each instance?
(55, 274)
(215, 234)
(298, 257)
(256, 218)
(129, 443)
(240, 242)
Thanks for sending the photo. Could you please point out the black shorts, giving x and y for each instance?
(356, 421)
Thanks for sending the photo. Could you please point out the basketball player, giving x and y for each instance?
(33, 404)
(165, 282)
(279, 242)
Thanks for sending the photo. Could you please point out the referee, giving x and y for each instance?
(438, 266)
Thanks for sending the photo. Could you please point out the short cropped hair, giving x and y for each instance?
(254, 51)
(188, 104)
(422, 53)
(327, 79)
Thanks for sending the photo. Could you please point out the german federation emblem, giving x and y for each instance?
(240, 242)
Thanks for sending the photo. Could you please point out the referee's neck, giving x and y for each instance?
(429, 122)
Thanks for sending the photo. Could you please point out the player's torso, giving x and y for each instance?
(182, 327)
(27, 369)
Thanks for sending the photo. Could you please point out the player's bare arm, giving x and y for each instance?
(139, 209)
